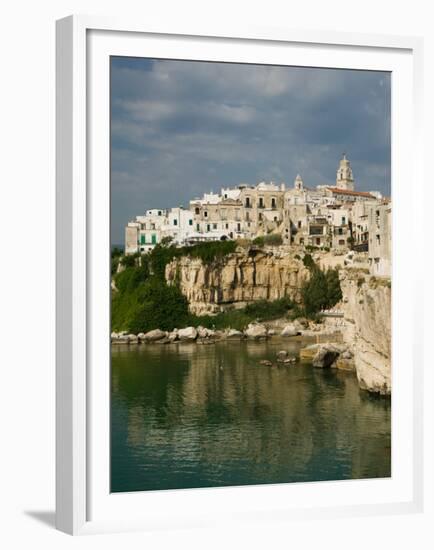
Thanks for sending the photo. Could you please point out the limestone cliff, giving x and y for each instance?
(237, 279)
(367, 313)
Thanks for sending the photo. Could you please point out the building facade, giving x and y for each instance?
(336, 217)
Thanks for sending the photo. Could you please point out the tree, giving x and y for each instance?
(334, 292)
(315, 292)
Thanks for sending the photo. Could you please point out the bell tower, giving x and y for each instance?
(344, 175)
(298, 183)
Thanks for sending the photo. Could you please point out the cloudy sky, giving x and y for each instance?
(180, 128)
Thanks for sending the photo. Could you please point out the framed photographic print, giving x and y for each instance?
(236, 221)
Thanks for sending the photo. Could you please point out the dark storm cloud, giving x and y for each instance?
(181, 128)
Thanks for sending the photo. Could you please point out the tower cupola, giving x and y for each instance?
(344, 175)
(298, 183)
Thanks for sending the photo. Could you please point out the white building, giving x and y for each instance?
(324, 216)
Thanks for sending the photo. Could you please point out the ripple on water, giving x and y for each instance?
(200, 416)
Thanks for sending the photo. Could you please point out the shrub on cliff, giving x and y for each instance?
(147, 305)
(235, 318)
(270, 240)
(161, 255)
(321, 291)
(209, 252)
(334, 291)
(264, 310)
(308, 262)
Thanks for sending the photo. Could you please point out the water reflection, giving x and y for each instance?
(197, 416)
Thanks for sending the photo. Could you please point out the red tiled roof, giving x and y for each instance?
(352, 193)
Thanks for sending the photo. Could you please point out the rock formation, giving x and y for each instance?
(367, 329)
(237, 279)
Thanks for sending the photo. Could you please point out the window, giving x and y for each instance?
(378, 239)
(225, 196)
(247, 216)
(208, 227)
(343, 220)
(197, 211)
(260, 216)
(227, 226)
(154, 239)
(238, 227)
(318, 241)
(340, 231)
(299, 224)
(159, 212)
(205, 214)
(175, 221)
(341, 242)
(247, 203)
(316, 230)
(214, 226)
(275, 218)
(152, 225)
(273, 202)
(261, 202)
(223, 213)
(197, 227)
(190, 222)
(142, 239)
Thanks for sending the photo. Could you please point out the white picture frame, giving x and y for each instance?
(84, 45)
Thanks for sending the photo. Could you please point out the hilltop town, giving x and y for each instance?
(328, 217)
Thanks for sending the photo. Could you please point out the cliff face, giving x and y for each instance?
(237, 279)
(367, 313)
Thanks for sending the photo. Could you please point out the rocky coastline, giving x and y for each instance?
(357, 336)
(330, 354)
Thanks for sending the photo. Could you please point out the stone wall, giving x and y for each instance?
(367, 328)
(237, 279)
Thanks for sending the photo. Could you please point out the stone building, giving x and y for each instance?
(359, 224)
(336, 217)
(380, 238)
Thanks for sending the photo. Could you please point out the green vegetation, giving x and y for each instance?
(238, 319)
(143, 301)
(271, 240)
(322, 290)
(309, 262)
(161, 255)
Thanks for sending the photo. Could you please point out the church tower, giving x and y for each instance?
(298, 183)
(344, 175)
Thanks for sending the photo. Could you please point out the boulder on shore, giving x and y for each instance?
(234, 334)
(154, 335)
(326, 355)
(289, 330)
(203, 332)
(187, 334)
(256, 331)
(281, 356)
